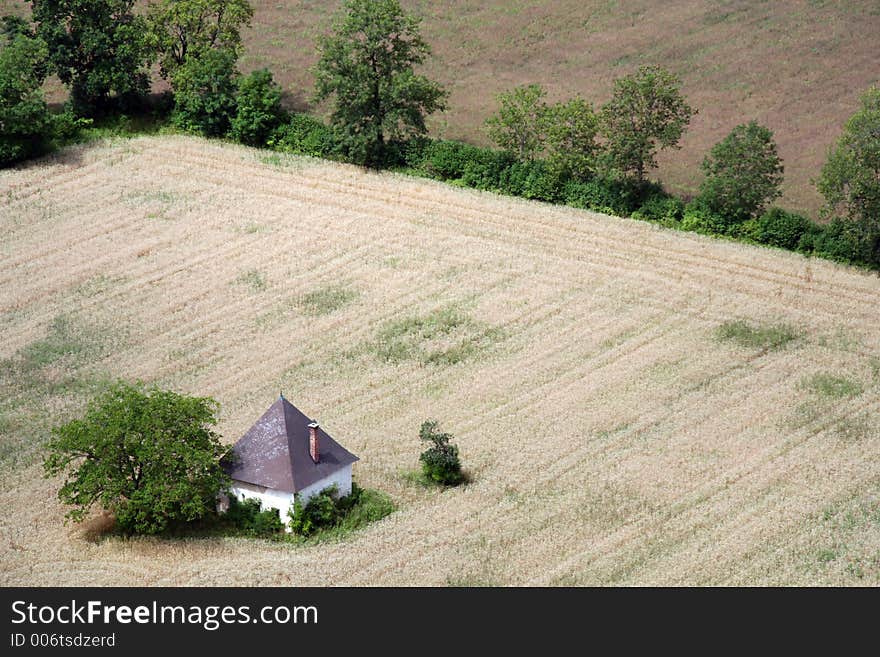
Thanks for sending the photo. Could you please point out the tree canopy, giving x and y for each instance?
(850, 178)
(97, 47)
(646, 113)
(179, 29)
(571, 130)
(440, 462)
(205, 88)
(743, 173)
(25, 122)
(148, 455)
(367, 66)
(519, 125)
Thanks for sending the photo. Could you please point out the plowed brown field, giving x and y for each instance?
(611, 436)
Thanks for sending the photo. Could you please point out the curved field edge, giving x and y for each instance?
(614, 430)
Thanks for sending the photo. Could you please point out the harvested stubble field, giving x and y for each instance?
(634, 405)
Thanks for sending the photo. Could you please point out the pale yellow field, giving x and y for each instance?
(611, 437)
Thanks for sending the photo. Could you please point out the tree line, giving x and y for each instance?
(566, 152)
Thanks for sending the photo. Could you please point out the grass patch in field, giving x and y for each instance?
(482, 570)
(326, 300)
(841, 339)
(251, 228)
(442, 337)
(765, 336)
(874, 364)
(66, 339)
(51, 372)
(153, 196)
(97, 285)
(272, 159)
(253, 279)
(607, 433)
(415, 478)
(845, 550)
(832, 386)
(470, 580)
(854, 429)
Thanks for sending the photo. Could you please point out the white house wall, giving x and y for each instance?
(282, 501)
(342, 479)
(269, 498)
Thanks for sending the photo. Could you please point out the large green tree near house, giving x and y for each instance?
(148, 455)
(366, 66)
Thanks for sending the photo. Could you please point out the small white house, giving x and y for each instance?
(286, 454)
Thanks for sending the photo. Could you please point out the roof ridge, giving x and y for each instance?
(289, 436)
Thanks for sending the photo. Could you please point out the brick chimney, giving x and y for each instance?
(313, 442)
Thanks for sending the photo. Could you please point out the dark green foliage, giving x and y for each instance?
(487, 169)
(743, 173)
(13, 26)
(647, 112)
(249, 517)
(321, 511)
(99, 50)
(611, 196)
(698, 218)
(850, 179)
(327, 513)
(147, 455)
(446, 160)
(180, 29)
(440, 462)
(519, 125)
(533, 179)
(367, 66)
(304, 135)
(204, 93)
(662, 208)
(779, 228)
(839, 240)
(258, 108)
(26, 127)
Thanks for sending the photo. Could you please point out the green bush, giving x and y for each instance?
(259, 110)
(204, 93)
(321, 511)
(303, 135)
(249, 517)
(440, 462)
(743, 173)
(533, 180)
(412, 152)
(839, 240)
(661, 208)
(618, 197)
(779, 228)
(700, 219)
(486, 170)
(24, 116)
(446, 160)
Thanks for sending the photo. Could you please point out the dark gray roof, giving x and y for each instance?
(275, 451)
